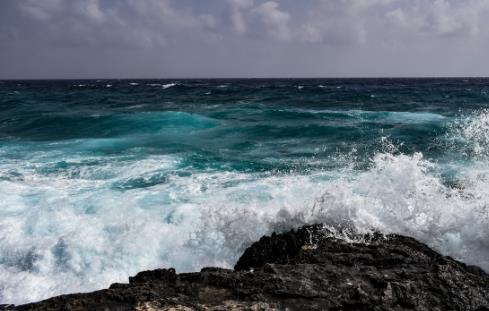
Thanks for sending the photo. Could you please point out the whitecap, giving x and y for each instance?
(97, 220)
(381, 116)
(169, 85)
(136, 106)
(90, 227)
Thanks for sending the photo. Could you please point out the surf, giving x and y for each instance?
(138, 177)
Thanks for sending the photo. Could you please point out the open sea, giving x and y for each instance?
(100, 179)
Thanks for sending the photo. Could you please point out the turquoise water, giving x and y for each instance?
(100, 179)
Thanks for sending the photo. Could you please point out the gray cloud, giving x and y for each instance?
(357, 21)
(163, 38)
(117, 24)
(264, 19)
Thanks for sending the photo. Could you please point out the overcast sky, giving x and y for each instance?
(243, 38)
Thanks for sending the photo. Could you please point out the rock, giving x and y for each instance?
(307, 269)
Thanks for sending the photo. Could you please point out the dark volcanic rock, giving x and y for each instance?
(307, 269)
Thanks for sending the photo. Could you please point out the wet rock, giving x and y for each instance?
(306, 269)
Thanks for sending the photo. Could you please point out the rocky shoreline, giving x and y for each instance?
(304, 269)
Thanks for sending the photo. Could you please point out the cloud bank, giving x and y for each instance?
(234, 38)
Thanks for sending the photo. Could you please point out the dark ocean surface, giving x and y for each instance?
(100, 179)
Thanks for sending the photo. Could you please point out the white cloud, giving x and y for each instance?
(237, 11)
(360, 21)
(448, 18)
(149, 23)
(240, 34)
(259, 19)
(124, 23)
(269, 18)
(341, 21)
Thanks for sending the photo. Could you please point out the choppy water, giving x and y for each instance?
(102, 179)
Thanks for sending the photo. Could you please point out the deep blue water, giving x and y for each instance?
(100, 179)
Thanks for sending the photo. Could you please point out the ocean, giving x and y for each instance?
(100, 179)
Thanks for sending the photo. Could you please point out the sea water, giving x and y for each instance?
(101, 179)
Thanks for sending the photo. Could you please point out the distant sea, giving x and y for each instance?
(100, 179)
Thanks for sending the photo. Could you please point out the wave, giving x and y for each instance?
(91, 228)
(169, 85)
(365, 115)
(72, 221)
(47, 127)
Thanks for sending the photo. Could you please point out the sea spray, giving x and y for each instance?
(99, 183)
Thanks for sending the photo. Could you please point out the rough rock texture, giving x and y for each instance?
(305, 269)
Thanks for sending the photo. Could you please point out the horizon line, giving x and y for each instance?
(254, 78)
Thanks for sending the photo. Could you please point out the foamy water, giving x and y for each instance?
(80, 213)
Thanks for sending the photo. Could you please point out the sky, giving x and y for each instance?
(42, 39)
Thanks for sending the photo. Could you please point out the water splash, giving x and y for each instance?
(471, 134)
(97, 184)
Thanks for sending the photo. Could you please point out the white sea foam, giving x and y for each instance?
(81, 228)
(393, 116)
(169, 85)
(472, 132)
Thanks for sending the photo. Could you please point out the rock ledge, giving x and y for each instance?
(305, 269)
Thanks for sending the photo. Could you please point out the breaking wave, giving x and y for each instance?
(122, 192)
(85, 232)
